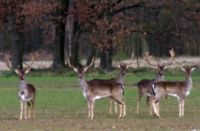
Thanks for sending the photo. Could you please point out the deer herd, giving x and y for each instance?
(113, 88)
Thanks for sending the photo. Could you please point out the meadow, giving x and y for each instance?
(61, 106)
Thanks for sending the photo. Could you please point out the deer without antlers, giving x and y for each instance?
(178, 89)
(145, 85)
(97, 89)
(120, 79)
(26, 92)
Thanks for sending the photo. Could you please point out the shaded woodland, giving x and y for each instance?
(100, 28)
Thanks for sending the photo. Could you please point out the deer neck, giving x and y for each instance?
(22, 84)
(84, 86)
(188, 83)
(160, 78)
(120, 78)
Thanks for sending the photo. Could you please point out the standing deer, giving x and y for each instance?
(26, 92)
(178, 89)
(97, 89)
(119, 79)
(145, 85)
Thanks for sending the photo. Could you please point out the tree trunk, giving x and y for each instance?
(16, 41)
(106, 60)
(72, 35)
(17, 50)
(91, 54)
(58, 56)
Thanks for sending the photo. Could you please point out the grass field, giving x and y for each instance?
(60, 105)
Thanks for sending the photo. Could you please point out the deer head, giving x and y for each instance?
(20, 71)
(188, 69)
(123, 66)
(81, 69)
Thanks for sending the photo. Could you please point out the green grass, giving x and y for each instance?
(61, 106)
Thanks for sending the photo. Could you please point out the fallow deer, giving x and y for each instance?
(145, 85)
(178, 89)
(97, 89)
(119, 79)
(26, 93)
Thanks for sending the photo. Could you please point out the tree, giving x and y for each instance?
(107, 24)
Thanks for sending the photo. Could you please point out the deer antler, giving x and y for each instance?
(172, 56)
(90, 65)
(28, 66)
(132, 56)
(147, 57)
(7, 61)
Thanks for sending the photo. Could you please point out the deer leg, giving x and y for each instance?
(111, 101)
(124, 110)
(21, 110)
(180, 110)
(139, 103)
(25, 110)
(150, 106)
(183, 107)
(115, 103)
(148, 102)
(33, 109)
(155, 108)
(158, 106)
(122, 107)
(89, 109)
(29, 109)
(92, 109)
(29, 112)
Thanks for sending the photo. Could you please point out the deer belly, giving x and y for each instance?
(100, 97)
(173, 94)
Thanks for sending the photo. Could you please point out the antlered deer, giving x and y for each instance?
(97, 89)
(145, 85)
(26, 92)
(178, 89)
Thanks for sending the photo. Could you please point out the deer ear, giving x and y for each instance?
(16, 71)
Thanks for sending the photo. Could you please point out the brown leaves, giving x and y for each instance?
(106, 28)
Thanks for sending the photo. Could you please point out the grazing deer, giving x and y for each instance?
(178, 89)
(145, 85)
(26, 92)
(97, 89)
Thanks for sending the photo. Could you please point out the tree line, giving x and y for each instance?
(98, 28)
